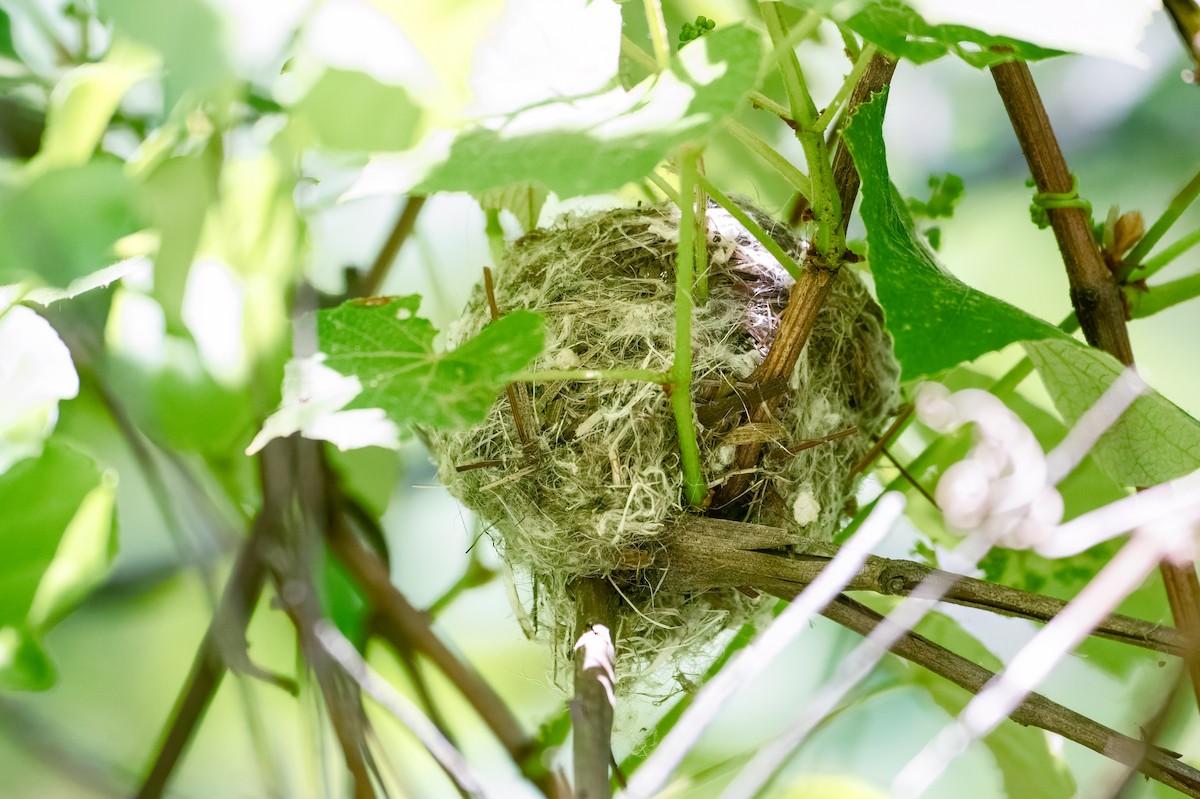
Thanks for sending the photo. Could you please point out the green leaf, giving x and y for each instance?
(936, 320)
(1027, 766)
(57, 542)
(189, 36)
(82, 104)
(390, 350)
(177, 196)
(61, 224)
(601, 142)
(24, 665)
(523, 200)
(1154, 441)
(6, 41)
(347, 110)
(900, 31)
(945, 192)
(84, 556)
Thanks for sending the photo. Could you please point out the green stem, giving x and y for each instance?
(852, 47)
(666, 188)
(681, 370)
(1009, 381)
(860, 66)
(753, 228)
(1179, 203)
(658, 34)
(1169, 254)
(757, 145)
(804, 111)
(560, 375)
(700, 202)
(1165, 295)
(826, 206)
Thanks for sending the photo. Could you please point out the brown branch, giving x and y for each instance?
(402, 625)
(707, 553)
(400, 232)
(806, 297)
(241, 594)
(1035, 711)
(510, 390)
(592, 707)
(1097, 299)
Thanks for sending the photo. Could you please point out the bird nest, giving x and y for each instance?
(595, 489)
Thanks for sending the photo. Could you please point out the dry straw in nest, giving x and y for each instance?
(596, 488)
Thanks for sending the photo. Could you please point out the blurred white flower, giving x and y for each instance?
(35, 373)
(313, 398)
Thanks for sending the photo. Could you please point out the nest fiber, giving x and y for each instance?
(595, 489)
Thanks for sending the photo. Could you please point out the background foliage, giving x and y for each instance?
(214, 156)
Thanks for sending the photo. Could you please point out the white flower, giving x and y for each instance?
(35, 373)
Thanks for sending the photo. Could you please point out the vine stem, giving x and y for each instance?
(1166, 295)
(1170, 253)
(1095, 295)
(658, 34)
(1179, 203)
(753, 227)
(694, 486)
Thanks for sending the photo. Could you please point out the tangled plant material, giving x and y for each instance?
(595, 490)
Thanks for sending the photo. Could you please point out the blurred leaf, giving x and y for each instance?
(353, 111)
(1154, 441)
(599, 143)
(6, 40)
(41, 498)
(61, 224)
(522, 200)
(83, 102)
(24, 665)
(83, 559)
(177, 195)
(936, 320)
(189, 36)
(899, 30)
(1028, 767)
(343, 602)
(390, 350)
(945, 192)
(828, 786)
(369, 475)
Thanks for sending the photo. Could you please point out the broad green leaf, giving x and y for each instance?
(82, 104)
(177, 196)
(390, 350)
(84, 556)
(936, 320)
(896, 28)
(598, 143)
(353, 111)
(189, 36)
(1028, 767)
(61, 224)
(1154, 441)
(54, 535)
(522, 200)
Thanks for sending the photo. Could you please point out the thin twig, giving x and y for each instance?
(707, 553)
(1035, 711)
(400, 232)
(1097, 299)
(510, 390)
(449, 758)
(403, 625)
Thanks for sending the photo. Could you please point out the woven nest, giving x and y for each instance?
(596, 488)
